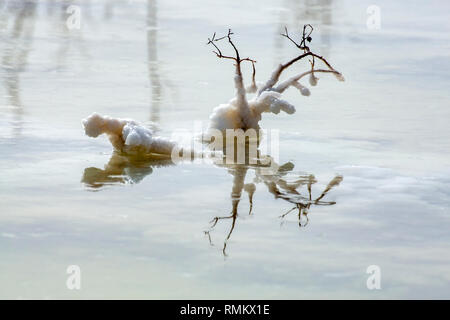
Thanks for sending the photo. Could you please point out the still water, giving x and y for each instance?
(374, 151)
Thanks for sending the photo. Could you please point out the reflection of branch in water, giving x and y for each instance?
(279, 186)
(281, 181)
(123, 169)
(250, 188)
(239, 173)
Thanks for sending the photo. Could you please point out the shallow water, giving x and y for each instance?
(136, 227)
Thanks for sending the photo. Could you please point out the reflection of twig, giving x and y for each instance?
(302, 211)
(306, 53)
(216, 219)
(303, 207)
(233, 216)
(207, 233)
(283, 215)
(233, 223)
(334, 182)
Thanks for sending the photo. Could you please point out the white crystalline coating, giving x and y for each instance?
(228, 116)
(135, 135)
(127, 135)
(313, 79)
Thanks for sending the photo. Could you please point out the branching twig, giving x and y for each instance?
(253, 87)
(219, 52)
(291, 81)
(334, 182)
(242, 102)
(214, 222)
(306, 53)
(253, 74)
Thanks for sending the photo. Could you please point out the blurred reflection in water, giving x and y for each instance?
(153, 63)
(281, 181)
(17, 20)
(122, 169)
(70, 39)
(158, 79)
(295, 14)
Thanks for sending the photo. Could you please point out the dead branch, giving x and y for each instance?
(306, 53)
(238, 79)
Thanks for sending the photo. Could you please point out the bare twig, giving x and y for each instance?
(242, 102)
(306, 53)
(305, 37)
(219, 52)
(334, 182)
(289, 82)
(253, 74)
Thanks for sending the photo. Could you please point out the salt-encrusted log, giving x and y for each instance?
(127, 135)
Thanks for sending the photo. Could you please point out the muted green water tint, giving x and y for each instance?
(136, 227)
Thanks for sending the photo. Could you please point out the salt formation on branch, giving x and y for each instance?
(241, 113)
(127, 135)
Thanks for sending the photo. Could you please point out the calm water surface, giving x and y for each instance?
(145, 229)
